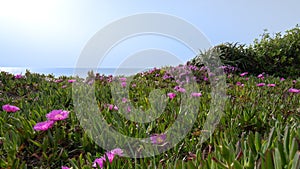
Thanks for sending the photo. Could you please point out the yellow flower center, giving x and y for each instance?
(58, 116)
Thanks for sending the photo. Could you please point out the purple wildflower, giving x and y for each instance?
(260, 84)
(171, 95)
(293, 90)
(196, 94)
(56, 115)
(158, 138)
(10, 108)
(42, 126)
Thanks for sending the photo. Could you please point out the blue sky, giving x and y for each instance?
(52, 33)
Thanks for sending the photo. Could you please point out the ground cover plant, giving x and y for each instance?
(40, 127)
(260, 128)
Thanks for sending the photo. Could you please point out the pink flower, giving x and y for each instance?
(133, 85)
(294, 81)
(124, 100)
(282, 79)
(64, 167)
(261, 76)
(196, 94)
(205, 78)
(58, 80)
(71, 80)
(18, 76)
(64, 86)
(117, 151)
(56, 115)
(42, 126)
(179, 89)
(239, 84)
(158, 138)
(171, 95)
(247, 78)
(128, 109)
(293, 90)
(10, 108)
(260, 84)
(271, 85)
(112, 107)
(99, 162)
(123, 79)
(243, 74)
(110, 155)
(123, 84)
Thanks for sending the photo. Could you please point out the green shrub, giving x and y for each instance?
(278, 55)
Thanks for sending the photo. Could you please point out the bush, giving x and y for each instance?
(278, 55)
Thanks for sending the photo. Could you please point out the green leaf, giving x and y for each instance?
(293, 148)
(296, 161)
(277, 159)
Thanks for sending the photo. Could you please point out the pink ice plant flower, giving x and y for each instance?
(56, 115)
(123, 79)
(261, 76)
(239, 84)
(123, 84)
(99, 162)
(293, 90)
(110, 156)
(282, 79)
(65, 167)
(58, 80)
(171, 95)
(205, 78)
(260, 84)
(128, 109)
(179, 89)
(10, 108)
(42, 126)
(18, 76)
(158, 138)
(271, 85)
(243, 74)
(112, 107)
(71, 80)
(194, 94)
(117, 151)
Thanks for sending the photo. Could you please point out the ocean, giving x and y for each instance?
(81, 72)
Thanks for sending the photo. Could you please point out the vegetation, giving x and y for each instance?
(43, 118)
(277, 55)
(260, 126)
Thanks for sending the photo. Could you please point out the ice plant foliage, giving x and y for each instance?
(10, 108)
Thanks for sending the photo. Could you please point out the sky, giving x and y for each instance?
(53, 33)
